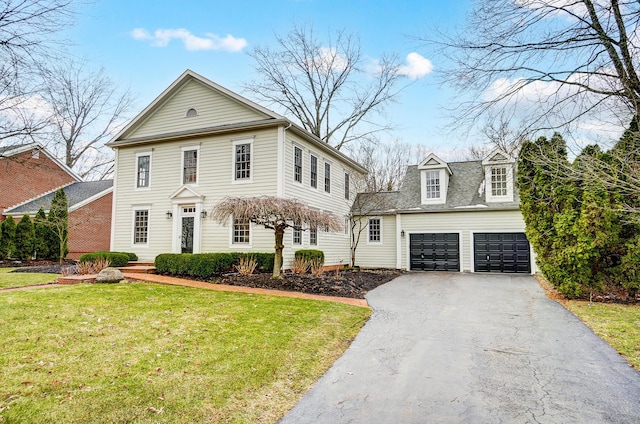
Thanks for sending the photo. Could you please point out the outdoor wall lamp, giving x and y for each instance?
(401, 233)
(203, 214)
(169, 214)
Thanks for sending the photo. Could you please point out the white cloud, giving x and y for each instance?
(416, 66)
(162, 37)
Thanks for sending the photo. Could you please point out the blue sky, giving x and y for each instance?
(121, 36)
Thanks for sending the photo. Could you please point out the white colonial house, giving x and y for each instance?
(458, 216)
(198, 143)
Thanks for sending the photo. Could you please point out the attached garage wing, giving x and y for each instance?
(434, 252)
(501, 252)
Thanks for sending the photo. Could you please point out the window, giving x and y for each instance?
(190, 166)
(241, 232)
(347, 225)
(313, 236)
(243, 161)
(313, 174)
(141, 226)
(375, 230)
(144, 166)
(346, 186)
(433, 185)
(297, 234)
(327, 177)
(498, 181)
(297, 164)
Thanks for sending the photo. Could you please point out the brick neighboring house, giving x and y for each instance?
(30, 169)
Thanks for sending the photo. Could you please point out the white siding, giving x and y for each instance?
(378, 255)
(213, 109)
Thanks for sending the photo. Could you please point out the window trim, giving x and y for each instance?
(327, 164)
(489, 196)
(295, 165)
(182, 152)
(379, 218)
(134, 211)
(313, 156)
(235, 245)
(443, 181)
(236, 143)
(432, 177)
(137, 169)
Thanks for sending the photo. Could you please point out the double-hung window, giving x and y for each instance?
(189, 166)
(346, 186)
(143, 170)
(242, 161)
(141, 226)
(327, 177)
(313, 172)
(375, 230)
(313, 236)
(297, 233)
(241, 232)
(297, 164)
(498, 181)
(433, 185)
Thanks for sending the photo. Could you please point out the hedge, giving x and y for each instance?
(310, 254)
(116, 259)
(205, 265)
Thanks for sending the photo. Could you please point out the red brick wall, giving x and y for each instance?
(90, 227)
(23, 177)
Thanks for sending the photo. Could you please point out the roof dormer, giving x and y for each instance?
(498, 176)
(434, 180)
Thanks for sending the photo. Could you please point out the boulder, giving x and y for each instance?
(109, 275)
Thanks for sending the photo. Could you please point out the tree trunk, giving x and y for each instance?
(277, 262)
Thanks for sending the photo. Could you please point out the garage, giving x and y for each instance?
(501, 252)
(434, 252)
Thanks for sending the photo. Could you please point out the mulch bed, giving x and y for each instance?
(44, 267)
(353, 284)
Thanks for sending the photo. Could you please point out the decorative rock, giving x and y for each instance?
(109, 275)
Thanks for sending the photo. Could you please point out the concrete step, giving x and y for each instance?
(139, 269)
(140, 263)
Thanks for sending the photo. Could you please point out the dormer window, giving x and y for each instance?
(434, 180)
(498, 177)
(192, 112)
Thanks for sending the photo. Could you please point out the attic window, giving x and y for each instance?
(192, 112)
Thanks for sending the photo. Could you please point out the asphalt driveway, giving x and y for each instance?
(474, 348)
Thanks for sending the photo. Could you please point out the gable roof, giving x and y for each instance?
(15, 149)
(269, 119)
(78, 194)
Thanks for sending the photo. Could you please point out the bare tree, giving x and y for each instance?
(27, 38)
(87, 109)
(327, 87)
(277, 214)
(550, 64)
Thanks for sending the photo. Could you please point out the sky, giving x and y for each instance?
(146, 45)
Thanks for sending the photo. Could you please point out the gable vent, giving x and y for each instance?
(192, 112)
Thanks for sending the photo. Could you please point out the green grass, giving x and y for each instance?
(142, 353)
(22, 279)
(618, 325)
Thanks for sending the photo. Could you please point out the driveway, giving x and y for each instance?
(472, 348)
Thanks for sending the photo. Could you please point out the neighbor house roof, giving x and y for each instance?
(15, 149)
(78, 194)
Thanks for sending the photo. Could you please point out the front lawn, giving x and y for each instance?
(618, 325)
(152, 353)
(10, 279)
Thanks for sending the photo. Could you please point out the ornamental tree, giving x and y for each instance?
(277, 214)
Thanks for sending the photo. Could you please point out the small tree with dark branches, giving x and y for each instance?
(276, 214)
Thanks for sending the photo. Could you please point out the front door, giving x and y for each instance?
(188, 214)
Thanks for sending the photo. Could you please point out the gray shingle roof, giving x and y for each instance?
(376, 203)
(76, 193)
(464, 192)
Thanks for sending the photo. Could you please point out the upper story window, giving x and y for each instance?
(346, 186)
(432, 185)
(189, 166)
(143, 170)
(327, 177)
(297, 164)
(499, 181)
(375, 230)
(313, 172)
(242, 161)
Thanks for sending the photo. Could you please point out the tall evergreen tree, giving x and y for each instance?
(24, 239)
(41, 235)
(58, 223)
(8, 230)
